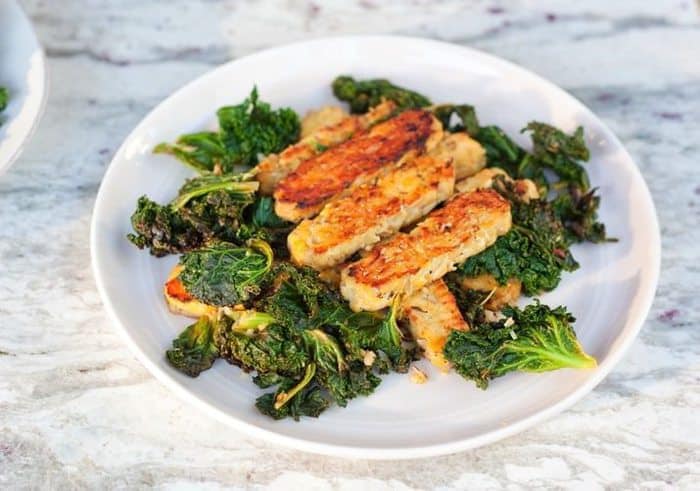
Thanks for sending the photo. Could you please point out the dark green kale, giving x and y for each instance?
(535, 339)
(224, 274)
(195, 349)
(304, 339)
(535, 250)
(306, 399)
(365, 334)
(561, 153)
(334, 373)
(162, 229)
(458, 118)
(207, 207)
(469, 302)
(261, 222)
(300, 300)
(362, 95)
(503, 152)
(578, 211)
(256, 342)
(246, 131)
(309, 366)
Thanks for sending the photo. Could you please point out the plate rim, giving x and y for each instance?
(40, 108)
(647, 290)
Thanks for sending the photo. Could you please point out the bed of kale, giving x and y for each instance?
(293, 331)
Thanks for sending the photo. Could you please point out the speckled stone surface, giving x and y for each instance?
(78, 411)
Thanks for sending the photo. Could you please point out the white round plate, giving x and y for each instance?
(23, 73)
(610, 294)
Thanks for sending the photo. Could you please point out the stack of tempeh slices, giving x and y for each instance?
(410, 200)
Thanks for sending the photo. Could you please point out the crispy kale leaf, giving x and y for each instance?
(246, 131)
(206, 208)
(342, 380)
(561, 153)
(194, 350)
(578, 212)
(223, 274)
(364, 333)
(535, 339)
(300, 300)
(255, 341)
(261, 222)
(458, 118)
(306, 399)
(535, 250)
(304, 339)
(365, 94)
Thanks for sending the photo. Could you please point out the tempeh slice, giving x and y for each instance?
(432, 314)
(372, 211)
(304, 192)
(465, 226)
(276, 167)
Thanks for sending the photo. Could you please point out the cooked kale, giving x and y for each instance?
(261, 222)
(578, 212)
(304, 339)
(161, 229)
(194, 350)
(224, 274)
(206, 208)
(342, 380)
(535, 339)
(535, 250)
(458, 118)
(256, 342)
(300, 300)
(503, 152)
(309, 366)
(307, 400)
(246, 131)
(365, 94)
(555, 150)
(365, 333)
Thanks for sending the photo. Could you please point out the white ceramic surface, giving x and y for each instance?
(23, 73)
(610, 295)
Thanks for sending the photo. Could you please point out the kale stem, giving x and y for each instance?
(242, 187)
(284, 397)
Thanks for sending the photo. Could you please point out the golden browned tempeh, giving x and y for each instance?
(304, 192)
(322, 117)
(499, 295)
(372, 211)
(466, 225)
(276, 167)
(467, 154)
(485, 178)
(432, 314)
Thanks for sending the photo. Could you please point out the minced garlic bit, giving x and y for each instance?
(509, 322)
(492, 316)
(368, 358)
(417, 376)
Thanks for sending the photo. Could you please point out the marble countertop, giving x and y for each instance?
(78, 411)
